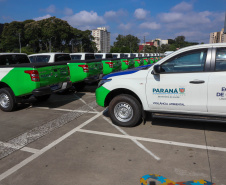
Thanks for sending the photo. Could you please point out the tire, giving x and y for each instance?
(7, 100)
(131, 107)
(43, 98)
(79, 86)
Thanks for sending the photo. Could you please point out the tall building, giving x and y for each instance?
(219, 37)
(102, 39)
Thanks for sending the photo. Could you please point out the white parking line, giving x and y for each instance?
(67, 110)
(18, 147)
(30, 150)
(133, 139)
(204, 147)
(39, 131)
(45, 149)
(123, 132)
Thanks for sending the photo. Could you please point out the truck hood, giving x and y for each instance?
(127, 72)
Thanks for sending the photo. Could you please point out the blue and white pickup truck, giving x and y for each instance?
(187, 84)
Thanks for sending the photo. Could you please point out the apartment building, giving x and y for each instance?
(102, 39)
(219, 37)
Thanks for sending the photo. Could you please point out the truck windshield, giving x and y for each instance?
(62, 57)
(76, 57)
(13, 59)
(89, 56)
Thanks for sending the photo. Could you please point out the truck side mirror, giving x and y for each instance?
(157, 69)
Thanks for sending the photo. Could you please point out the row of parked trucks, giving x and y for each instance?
(22, 76)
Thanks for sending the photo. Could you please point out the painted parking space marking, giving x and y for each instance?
(219, 149)
(25, 149)
(67, 110)
(38, 132)
(30, 150)
(45, 149)
(133, 139)
(124, 133)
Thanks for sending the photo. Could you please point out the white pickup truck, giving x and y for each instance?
(190, 83)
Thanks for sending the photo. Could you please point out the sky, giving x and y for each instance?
(165, 19)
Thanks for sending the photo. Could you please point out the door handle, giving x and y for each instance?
(197, 82)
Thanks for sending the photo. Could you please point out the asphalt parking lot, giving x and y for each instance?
(70, 140)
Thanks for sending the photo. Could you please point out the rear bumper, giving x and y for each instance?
(50, 89)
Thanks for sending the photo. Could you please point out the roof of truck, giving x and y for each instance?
(47, 54)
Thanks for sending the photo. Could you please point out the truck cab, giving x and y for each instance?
(49, 57)
(82, 56)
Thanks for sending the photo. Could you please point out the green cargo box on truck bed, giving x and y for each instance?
(24, 78)
(85, 70)
(145, 60)
(138, 62)
(111, 65)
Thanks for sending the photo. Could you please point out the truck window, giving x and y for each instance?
(108, 55)
(89, 56)
(13, 59)
(42, 58)
(62, 57)
(76, 57)
(192, 61)
(220, 59)
(98, 56)
(32, 59)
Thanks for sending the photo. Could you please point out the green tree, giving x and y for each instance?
(126, 44)
(13, 37)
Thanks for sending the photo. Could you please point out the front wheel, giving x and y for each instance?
(7, 100)
(125, 111)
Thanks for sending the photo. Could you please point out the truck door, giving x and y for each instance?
(182, 84)
(217, 82)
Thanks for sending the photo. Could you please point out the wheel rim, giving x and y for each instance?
(4, 100)
(123, 112)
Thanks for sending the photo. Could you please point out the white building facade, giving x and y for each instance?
(102, 39)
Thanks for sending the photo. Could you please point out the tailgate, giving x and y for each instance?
(95, 68)
(53, 74)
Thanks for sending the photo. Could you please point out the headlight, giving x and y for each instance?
(103, 81)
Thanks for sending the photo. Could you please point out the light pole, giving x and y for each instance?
(19, 43)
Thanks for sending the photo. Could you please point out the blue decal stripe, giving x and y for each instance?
(120, 73)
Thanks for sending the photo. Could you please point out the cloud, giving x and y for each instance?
(195, 36)
(68, 11)
(50, 9)
(170, 17)
(43, 17)
(141, 13)
(115, 15)
(150, 25)
(125, 27)
(84, 19)
(7, 18)
(182, 7)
